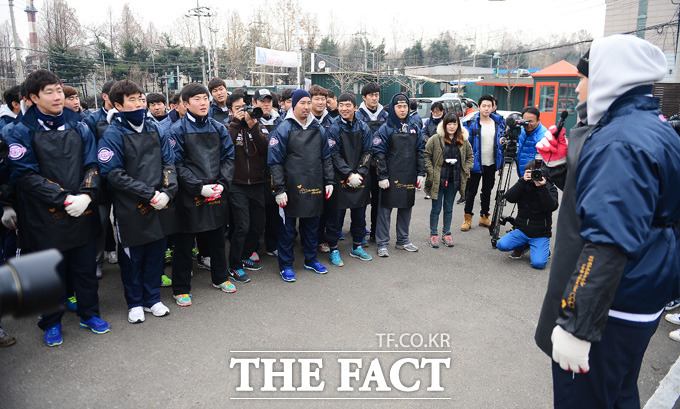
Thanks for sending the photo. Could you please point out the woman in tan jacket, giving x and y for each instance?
(448, 159)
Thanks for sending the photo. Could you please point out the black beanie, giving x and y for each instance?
(583, 63)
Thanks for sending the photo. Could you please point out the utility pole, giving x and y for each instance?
(214, 47)
(94, 81)
(299, 45)
(104, 62)
(199, 12)
(17, 49)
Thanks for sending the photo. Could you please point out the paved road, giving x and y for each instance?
(484, 302)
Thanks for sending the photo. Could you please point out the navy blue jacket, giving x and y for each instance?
(382, 136)
(335, 143)
(215, 108)
(278, 143)
(23, 160)
(183, 126)
(475, 131)
(172, 117)
(363, 115)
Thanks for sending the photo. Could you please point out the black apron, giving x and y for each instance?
(202, 158)
(431, 129)
(268, 196)
(401, 171)
(102, 126)
(344, 196)
(304, 174)
(219, 115)
(137, 221)
(60, 159)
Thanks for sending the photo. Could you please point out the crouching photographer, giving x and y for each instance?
(536, 200)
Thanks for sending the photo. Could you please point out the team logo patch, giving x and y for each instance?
(16, 151)
(273, 142)
(104, 155)
(331, 142)
(265, 131)
(172, 141)
(413, 131)
(663, 118)
(376, 141)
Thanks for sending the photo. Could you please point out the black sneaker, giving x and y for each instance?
(249, 264)
(239, 275)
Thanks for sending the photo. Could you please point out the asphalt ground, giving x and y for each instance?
(479, 299)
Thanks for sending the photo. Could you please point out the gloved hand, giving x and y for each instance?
(210, 192)
(219, 188)
(420, 182)
(160, 200)
(451, 161)
(9, 217)
(570, 352)
(553, 149)
(384, 184)
(76, 205)
(354, 180)
(282, 199)
(329, 191)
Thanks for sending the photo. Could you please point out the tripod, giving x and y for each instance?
(509, 152)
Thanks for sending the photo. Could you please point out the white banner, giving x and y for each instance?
(276, 58)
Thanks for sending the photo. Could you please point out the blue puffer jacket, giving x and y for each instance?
(526, 147)
(474, 129)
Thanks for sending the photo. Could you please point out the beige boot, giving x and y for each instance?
(466, 223)
(484, 220)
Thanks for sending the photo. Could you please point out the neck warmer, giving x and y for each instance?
(51, 121)
(199, 120)
(135, 118)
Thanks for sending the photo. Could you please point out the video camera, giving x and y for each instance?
(513, 130)
(30, 284)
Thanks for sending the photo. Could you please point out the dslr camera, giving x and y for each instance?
(252, 111)
(537, 173)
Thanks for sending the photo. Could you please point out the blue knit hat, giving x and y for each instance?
(298, 94)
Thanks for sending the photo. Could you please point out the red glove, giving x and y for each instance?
(553, 149)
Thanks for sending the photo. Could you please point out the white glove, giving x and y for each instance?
(282, 199)
(384, 184)
(451, 161)
(420, 182)
(354, 180)
(210, 192)
(219, 188)
(329, 191)
(9, 217)
(76, 205)
(570, 352)
(160, 200)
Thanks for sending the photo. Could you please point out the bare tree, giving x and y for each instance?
(128, 26)
(59, 25)
(411, 83)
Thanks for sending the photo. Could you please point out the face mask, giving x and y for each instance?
(136, 118)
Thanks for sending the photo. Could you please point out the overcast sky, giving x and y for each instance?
(482, 20)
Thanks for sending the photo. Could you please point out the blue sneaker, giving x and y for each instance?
(288, 275)
(71, 304)
(96, 324)
(238, 275)
(335, 258)
(364, 242)
(53, 336)
(342, 236)
(360, 254)
(317, 268)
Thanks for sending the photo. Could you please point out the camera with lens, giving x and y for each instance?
(537, 173)
(253, 111)
(30, 284)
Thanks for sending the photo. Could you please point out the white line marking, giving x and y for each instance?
(668, 391)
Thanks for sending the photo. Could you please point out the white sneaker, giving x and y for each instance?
(158, 310)
(100, 273)
(675, 335)
(136, 315)
(673, 318)
(112, 257)
(203, 262)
